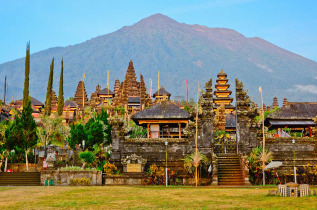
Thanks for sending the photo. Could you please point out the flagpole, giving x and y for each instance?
(158, 84)
(187, 91)
(108, 81)
(150, 87)
(263, 151)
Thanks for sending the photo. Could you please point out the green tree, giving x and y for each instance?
(26, 78)
(22, 132)
(87, 157)
(95, 133)
(103, 116)
(77, 134)
(60, 105)
(29, 138)
(52, 131)
(48, 102)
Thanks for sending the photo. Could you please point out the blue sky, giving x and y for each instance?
(288, 24)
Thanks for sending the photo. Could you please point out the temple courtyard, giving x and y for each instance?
(147, 198)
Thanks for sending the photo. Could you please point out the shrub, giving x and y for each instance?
(87, 158)
(193, 160)
(155, 176)
(82, 182)
(76, 168)
(109, 168)
(255, 167)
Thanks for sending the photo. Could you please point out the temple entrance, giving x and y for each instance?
(225, 145)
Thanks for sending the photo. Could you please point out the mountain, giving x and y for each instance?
(179, 51)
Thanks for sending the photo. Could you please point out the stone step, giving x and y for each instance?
(20, 179)
(233, 168)
(231, 184)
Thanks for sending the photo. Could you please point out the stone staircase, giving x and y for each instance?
(20, 179)
(229, 170)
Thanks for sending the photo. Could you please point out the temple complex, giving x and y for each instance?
(222, 93)
(131, 94)
(81, 95)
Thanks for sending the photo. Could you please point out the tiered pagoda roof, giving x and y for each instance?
(54, 99)
(81, 95)
(222, 93)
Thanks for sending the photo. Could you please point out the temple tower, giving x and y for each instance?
(54, 99)
(284, 102)
(116, 86)
(275, 102)
(222, 93)
(94, 99)
(206, 121)
(81, 95)
(246, 123)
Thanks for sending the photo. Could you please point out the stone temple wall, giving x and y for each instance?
(154, 151)
(282, 149)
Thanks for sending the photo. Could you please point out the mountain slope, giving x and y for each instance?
(180, 52)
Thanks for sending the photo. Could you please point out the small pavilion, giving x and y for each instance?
(163, 120)
(106, 95)
(295, 116)
(161, 95)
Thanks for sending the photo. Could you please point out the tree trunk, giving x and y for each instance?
(6, 164)
(26, 160)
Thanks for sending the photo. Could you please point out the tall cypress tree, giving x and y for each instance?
(26, 78)
(48, 102)
(60, 105)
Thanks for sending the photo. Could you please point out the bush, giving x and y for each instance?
(87, 158)
(155, 176)
(82, 182)
(76, 168)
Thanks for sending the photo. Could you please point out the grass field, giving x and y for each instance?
(146, 198)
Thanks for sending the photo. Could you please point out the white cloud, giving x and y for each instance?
(264, 67)
(306, 88)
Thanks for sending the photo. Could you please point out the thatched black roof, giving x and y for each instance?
(35, 102)
(161, 92)
(70, 103)
(294, 114)
(163, 110)
(230, 120)
(134, 100)
(105, 92)
(295, 110)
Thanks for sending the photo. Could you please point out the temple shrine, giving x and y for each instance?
(131, 94)
(54, 99)
(222, 93)
(161, 95)
(81, 95)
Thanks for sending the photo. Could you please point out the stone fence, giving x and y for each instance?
(62, 178)
(21, 167)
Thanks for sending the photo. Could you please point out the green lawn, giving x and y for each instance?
(146, 198)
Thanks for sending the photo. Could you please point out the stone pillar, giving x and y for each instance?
(214, 170)
(117, 133)
(246, 127)
(206, 122)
